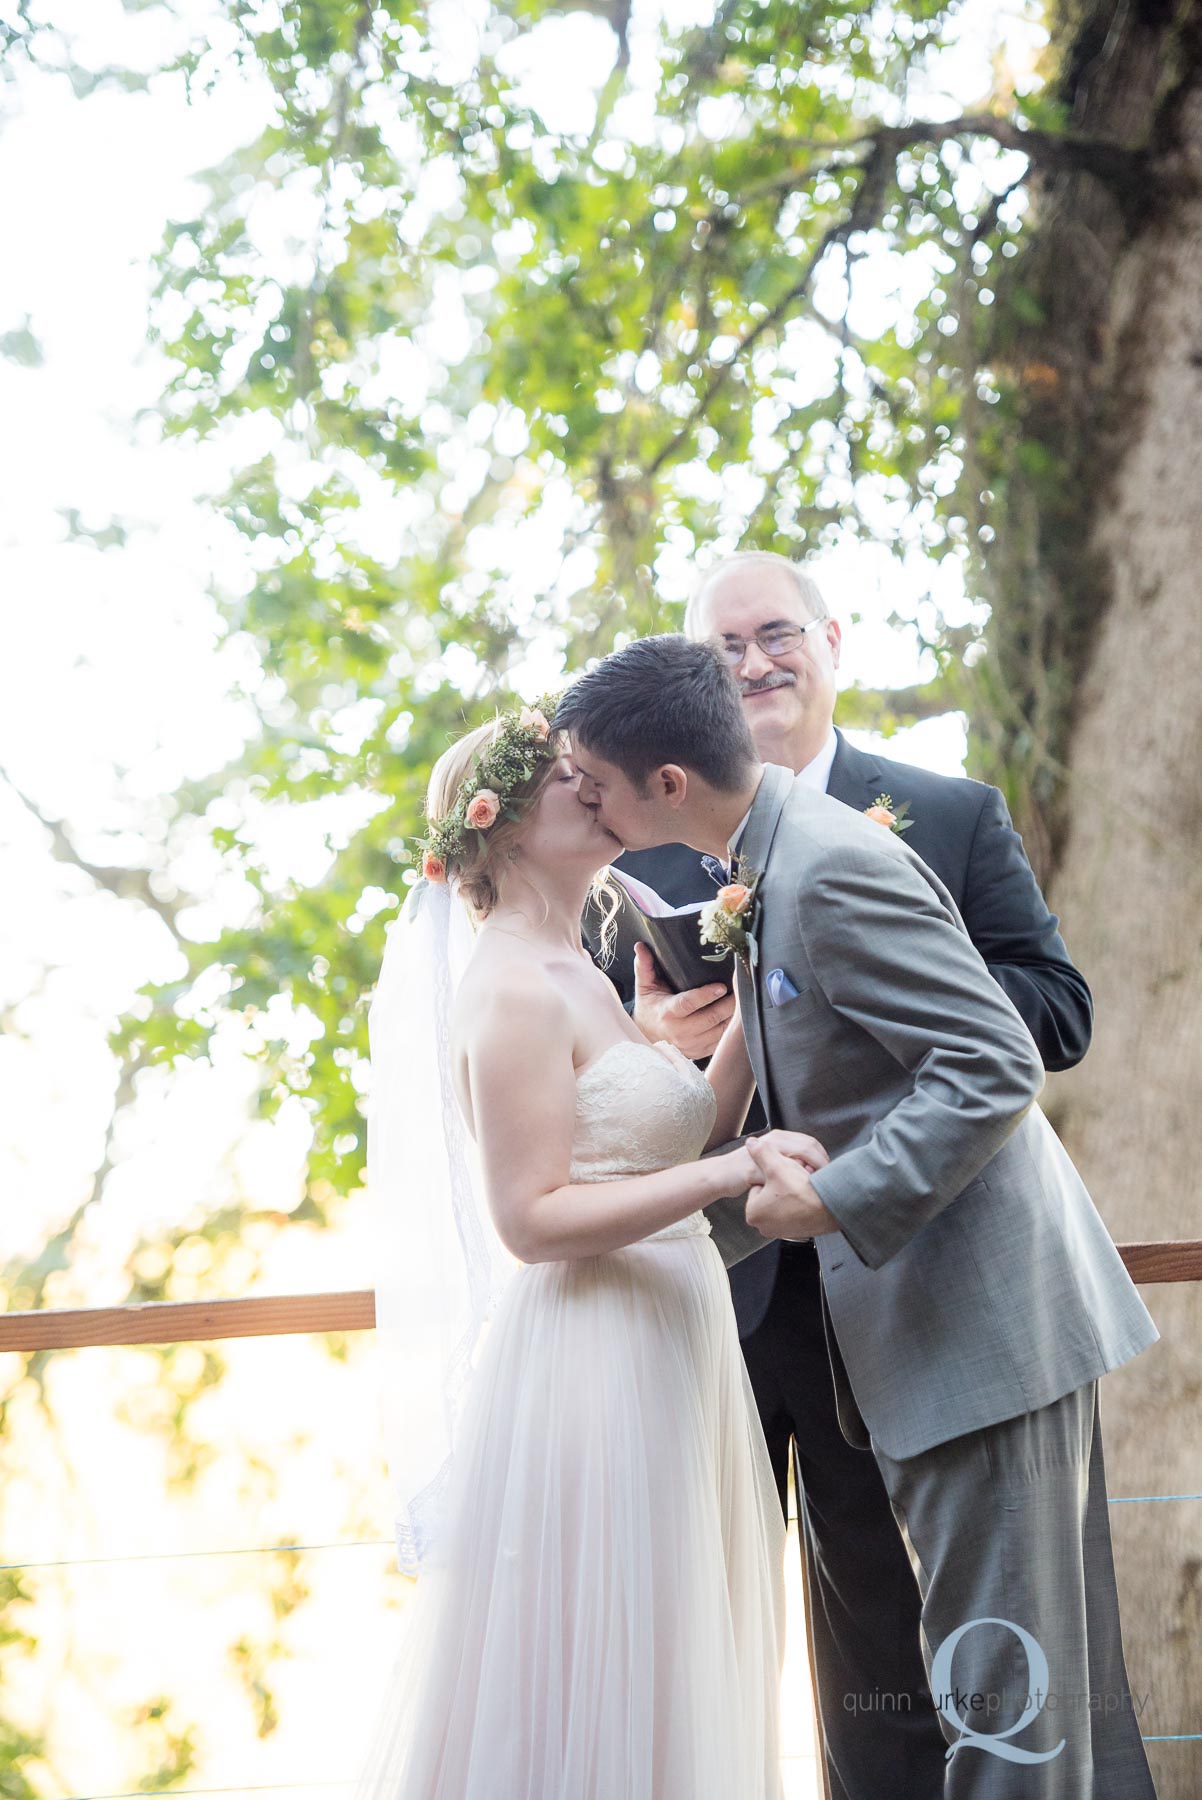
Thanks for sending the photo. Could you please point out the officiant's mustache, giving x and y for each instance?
(778, 678)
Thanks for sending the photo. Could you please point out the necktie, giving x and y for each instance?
(717, 871)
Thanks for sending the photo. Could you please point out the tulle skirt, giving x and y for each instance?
(603, 1618)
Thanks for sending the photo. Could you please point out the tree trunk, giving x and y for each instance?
(1129, 890)
(1116, 546)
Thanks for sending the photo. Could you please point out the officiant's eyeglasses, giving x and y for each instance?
(774, 640)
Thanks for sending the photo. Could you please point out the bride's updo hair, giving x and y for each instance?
(477, 868)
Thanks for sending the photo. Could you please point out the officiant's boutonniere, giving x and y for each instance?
(729, 920)
(883, 812)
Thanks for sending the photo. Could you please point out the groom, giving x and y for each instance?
(972, 1294)
(863, 1604)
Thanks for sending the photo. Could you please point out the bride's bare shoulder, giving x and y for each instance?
(507, 995)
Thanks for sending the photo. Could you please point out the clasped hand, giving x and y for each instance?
(785, 1204)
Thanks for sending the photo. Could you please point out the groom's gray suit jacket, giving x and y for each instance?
(972, 1278)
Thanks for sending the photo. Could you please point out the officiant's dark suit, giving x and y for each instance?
(863, 1601)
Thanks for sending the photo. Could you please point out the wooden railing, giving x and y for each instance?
(187, 1321)
(276, 1315)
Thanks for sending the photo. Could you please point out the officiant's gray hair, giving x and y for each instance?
(808, 591)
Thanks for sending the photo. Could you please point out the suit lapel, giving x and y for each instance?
(749, 1013)
(854, 775)
(764, 817)
(755, 848)
(858, 780)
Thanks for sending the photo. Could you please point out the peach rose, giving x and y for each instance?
(483, 809)
(530, 719)
(433, 867)
(880, 815)
(734, 899)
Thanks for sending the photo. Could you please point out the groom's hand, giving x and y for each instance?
(693, 1021)
(786, 1206)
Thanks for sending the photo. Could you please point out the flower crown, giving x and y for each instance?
(490, 792)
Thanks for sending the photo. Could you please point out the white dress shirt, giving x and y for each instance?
(817, 771)
(732, 845)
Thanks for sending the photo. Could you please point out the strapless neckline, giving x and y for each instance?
(674, 1056)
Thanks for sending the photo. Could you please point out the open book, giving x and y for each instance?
(673, 935)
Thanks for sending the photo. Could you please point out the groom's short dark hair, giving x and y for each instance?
(662, 700)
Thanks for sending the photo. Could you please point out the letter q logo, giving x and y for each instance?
(993, 1741)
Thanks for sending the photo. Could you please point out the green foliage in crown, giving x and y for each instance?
(493, 789)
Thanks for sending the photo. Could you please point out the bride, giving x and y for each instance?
(600, 1609)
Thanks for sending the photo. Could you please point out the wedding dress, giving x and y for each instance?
(603, 1615)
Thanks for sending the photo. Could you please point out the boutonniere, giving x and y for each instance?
(729, 920)
(883, 812)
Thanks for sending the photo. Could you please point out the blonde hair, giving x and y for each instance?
(477, 867)
(808, 591)
(477, 870)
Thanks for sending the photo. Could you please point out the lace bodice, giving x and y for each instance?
(641, 1107)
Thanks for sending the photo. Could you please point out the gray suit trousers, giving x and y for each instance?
(1009, 1524)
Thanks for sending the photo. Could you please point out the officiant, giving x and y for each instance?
(879, 1726)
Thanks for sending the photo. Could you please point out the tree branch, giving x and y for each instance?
(125, 883)
(721, 374)
(1120, 165)
(1107, 158)
(886, 709)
